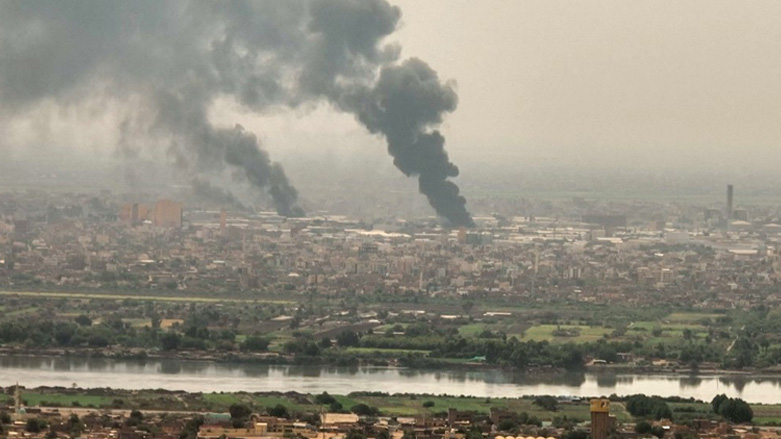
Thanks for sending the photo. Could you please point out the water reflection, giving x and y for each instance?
(195, 367)
(76, 363)
(99, 364)
(409, 373)
(256, 371)
(690, 381)
(170, 367)
(738, 382)
(574, 379)
(198, 376)
(61, 364)
(607, 380)
(313, 372)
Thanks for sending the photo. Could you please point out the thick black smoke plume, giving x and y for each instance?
(405, 102)
(172, 59)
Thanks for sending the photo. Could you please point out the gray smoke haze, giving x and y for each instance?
(171, 60)
(204, 190)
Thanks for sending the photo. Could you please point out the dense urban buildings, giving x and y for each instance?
(633, 253)
(313, 417)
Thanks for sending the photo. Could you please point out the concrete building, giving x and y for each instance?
(601, 421)
(666, 276)
(134, 213)
(167, 214)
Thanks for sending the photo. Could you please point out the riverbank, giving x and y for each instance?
(705, 370)
(215, 376)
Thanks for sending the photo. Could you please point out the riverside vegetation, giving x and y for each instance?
(410, 330)
(532, 409)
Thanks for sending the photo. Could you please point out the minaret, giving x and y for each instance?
(730, 195)
(536, 261)
(730, 192)
(17, 400)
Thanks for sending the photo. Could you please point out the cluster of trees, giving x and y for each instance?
(515, 353)
(645, 427)
(48, 333)
(35, 425)
(523, 418)
(653, 407)
(324, 398)
(732, 409)
(499, 349)
(82, 331)
(754, 346)
(240, 413)
(336, 407)
(547, 402)
(190, 430)
(47, 324)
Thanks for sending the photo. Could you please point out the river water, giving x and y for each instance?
(196, 376)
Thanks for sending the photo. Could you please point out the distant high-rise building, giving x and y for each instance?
(143, 213)
(462, 235)
(601, 421)
(126, 213)
(167, 214)
(134, 213)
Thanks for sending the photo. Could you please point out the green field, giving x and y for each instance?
(585, 333)
(221, 399)
(20, 312)
(766, 413)
(354, 350)
(138, 323)
(99, 296)
(691, 317)
(389, 405)
(38, 399)
(472, 330)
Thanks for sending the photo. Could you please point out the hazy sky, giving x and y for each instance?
(641, 84)
(630, 82)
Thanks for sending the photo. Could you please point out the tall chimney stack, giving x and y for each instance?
(729, 203)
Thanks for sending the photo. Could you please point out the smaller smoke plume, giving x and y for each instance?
(242, 151)
(215, 148)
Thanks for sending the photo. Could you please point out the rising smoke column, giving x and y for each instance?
(219, 147)
(403, 104)
(406, 101)
(174, 59)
